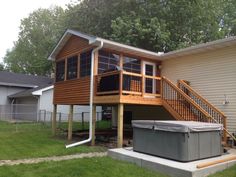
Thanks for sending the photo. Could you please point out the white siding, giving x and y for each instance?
(6, 91)
(46, 103)
(212, 74)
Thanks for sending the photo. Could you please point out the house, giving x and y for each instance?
(195, 83)
(29, 97)
(17, 100)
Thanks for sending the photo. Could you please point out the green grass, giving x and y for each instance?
(230, 172)
(27, 140)
(87, 167)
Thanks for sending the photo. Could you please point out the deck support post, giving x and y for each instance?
(120, 125)
(70, 122)
(54, 119)
(94, 125)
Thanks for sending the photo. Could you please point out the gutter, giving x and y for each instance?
(90, 100)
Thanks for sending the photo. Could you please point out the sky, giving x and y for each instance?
(11, 13)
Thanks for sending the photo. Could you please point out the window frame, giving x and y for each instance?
(74, 66)
(110, 61)
(86, 66)
(131, 69)
(62, 71)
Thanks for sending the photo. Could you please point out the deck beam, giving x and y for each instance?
(70, 122)
(93, 125)
(120, 125)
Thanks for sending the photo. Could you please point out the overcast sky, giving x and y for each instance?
(12, 11)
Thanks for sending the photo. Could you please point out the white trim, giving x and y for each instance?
(40, 92)
(18, 85)
(64, 39)
(131, 48)
(154, 74)
(200, 48)
(96, 41)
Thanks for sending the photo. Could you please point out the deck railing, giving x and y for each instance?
(125, 83)
(182, 106)
(216, 115)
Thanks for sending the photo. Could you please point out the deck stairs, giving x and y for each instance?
(184, 103)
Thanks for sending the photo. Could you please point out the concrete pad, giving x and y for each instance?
(170, 167)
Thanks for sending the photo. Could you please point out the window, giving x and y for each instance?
(132, 65)
(107, 61)
(72, 64)
(60, 71)
(85, 64)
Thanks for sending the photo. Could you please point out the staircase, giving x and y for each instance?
(184, 103)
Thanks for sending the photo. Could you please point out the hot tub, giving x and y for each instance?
(178, 140)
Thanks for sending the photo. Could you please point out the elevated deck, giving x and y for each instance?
(127, 99)
(128, 88)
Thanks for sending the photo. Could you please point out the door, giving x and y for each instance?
(149, 70)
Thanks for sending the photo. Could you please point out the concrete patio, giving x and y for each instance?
(170, 167)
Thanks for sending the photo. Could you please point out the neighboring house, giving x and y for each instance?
(12, 83)
(30, 96)
(141, 84)
(17, 100)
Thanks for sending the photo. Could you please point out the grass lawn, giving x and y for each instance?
(27, 140)
(92, 167)
(230, 172)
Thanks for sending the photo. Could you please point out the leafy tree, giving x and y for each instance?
(38, 34)
(1, 67)
(168, 25)
(157, 25)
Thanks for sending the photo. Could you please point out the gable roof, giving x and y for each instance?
(32, 92)
(22, 80)
(96, 41)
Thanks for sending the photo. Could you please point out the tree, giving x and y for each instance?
(169, 25)
(157, 25)
(1, 67)
(38, 34)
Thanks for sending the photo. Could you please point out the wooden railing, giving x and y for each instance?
(125, 83)
(216, 115)
(183, 107)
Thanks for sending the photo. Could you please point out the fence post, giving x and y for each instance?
(44, 116)
(54, 119)
(59, 122)
(82, 120)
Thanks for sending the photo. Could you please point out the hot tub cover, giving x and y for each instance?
(177, 126)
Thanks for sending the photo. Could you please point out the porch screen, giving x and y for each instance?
(60, 71)
(85, 64)
(132, 65)
(107, 61)
(72, 64)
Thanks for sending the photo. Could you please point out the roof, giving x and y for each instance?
(22, 80)
(96, 41)
(203, 47)
(32, 92)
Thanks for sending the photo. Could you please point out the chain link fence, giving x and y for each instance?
(29, 113)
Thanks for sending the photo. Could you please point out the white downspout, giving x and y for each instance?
(90, 101)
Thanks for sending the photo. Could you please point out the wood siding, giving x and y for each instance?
(73, 46)
(212, 74)
(72, 92)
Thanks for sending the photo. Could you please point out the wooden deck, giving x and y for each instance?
(127, 99)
